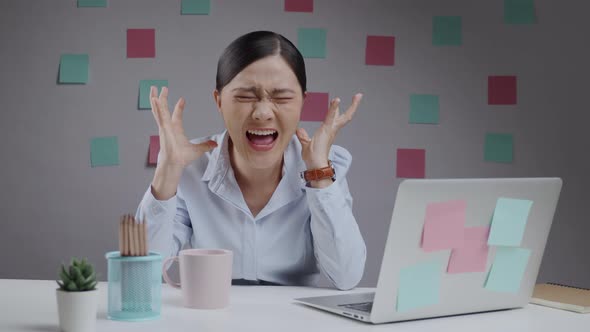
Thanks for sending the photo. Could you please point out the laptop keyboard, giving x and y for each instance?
(363, 306)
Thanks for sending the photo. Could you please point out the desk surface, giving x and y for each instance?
(30, 305)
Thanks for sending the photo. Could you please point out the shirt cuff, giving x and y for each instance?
(156, 209)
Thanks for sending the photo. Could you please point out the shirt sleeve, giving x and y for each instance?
(339, 247)
(168, 224)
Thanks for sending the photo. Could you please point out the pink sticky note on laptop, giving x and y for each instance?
(473, 256)
(315, 106)
(154, 149)
(444, 225)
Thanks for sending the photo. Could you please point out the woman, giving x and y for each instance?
(241, 190)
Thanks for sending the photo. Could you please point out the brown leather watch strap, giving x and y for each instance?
(319, 173)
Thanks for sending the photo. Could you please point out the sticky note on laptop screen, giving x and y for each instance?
(419, 286)
(473, 256)
(444, 224)
(509, 221)
(507, 269)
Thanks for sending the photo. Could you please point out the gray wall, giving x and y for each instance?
(53, 205)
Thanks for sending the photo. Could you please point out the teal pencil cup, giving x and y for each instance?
(134, 286)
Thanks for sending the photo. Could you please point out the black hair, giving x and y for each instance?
(254, 46)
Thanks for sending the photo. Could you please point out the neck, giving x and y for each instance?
(249, 177)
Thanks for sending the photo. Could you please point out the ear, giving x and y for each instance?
(217, 98)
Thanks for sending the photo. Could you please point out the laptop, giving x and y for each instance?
(415, 280)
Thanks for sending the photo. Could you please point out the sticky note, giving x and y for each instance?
(444, 225)
(411, 163)
(380, 51)
(315, 106)
(446, 31)
(311, 42)
(509, 221)
(195, 7)
(303, 6)
(154, 150)
(501, 90)
(519, 12)
(92, 3)
(141, 43)
(507, 269)
(73, 68)
(144, 92)
(473, 256)
(419, 286)
(424, 109)
(104, 151)
(499, 147)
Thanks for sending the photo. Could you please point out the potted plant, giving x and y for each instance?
(77, 297)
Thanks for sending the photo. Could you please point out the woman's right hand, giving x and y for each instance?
(175, 149)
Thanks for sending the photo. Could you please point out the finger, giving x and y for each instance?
(332, 112)
(178, 110)
(347, 116)
(156, 111)
(303, 136)
(207, 146)
(163, 102)
(153, 92)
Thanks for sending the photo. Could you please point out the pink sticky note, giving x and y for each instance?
(304, 6)
(411, 163)
(444, 225)
(380, 50)
(502, 90)
(315, 106)
(141, 43)
(473, 256)
(154, 149)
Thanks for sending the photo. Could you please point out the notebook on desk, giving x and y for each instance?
(456, 246)
(562, 297)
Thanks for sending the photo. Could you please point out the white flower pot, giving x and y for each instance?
(77, 310)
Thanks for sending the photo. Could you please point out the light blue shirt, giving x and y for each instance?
(300, 232)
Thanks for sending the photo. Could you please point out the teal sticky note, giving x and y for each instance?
(92, 3)
(73, 68)
(519, 12)
(424, 109)
(509, 221)
(419, 285)
(499, 148)
(446, 31)
(507, 269)
(144, 92)
(195, 7)
(104, 151)
(312, 42)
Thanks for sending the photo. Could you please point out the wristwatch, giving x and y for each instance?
(315, 174)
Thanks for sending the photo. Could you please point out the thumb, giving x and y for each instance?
(205, 146)
(303, 136)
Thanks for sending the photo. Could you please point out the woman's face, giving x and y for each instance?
(261, 107)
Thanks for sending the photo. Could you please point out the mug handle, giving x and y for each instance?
(165, 268)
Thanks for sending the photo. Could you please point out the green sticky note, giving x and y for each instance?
(424, 109)
(446, 31)
(509, 221)
(519, 12)
(73, 68)
(312, 42)
(507, 269)
(92, 3)
(104, 151)
(195, 7)
(144, 92)
(499, 148)
(419, 285)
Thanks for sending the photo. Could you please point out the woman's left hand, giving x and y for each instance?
(315, 150)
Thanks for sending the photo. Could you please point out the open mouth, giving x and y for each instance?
(262, 138)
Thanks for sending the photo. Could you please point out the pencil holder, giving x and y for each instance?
(135, 286)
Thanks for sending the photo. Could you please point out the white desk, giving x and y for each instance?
(30, 305)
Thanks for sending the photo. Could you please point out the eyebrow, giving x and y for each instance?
(254, 89)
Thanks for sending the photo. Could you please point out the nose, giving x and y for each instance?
(263, 110)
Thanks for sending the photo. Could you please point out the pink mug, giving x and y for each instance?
(205, 277)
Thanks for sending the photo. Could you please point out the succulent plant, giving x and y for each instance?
(78, 277)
